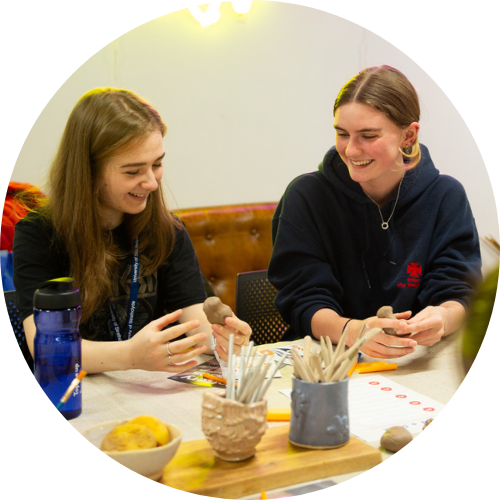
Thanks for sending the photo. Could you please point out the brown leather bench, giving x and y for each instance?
(230, 239)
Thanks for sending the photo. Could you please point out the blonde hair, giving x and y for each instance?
(104, 122)
(387, 90)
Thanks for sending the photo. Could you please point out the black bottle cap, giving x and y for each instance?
(59, 293)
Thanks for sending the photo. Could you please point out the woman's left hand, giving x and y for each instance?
(241, 331)
(428, 326)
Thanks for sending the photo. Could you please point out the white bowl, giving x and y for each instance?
(150, 462)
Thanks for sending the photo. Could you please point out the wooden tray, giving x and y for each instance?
(277, 463)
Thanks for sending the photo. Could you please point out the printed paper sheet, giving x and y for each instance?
(376, 403)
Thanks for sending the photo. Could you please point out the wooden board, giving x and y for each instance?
(276, 464)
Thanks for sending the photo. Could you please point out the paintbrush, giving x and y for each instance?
(71, 388)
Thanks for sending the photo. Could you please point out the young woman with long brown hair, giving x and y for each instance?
(376, 225)
(105, 219)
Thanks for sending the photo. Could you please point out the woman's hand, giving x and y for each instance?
(432, 323)
(147, 349)
(382, 345)
(241, 331)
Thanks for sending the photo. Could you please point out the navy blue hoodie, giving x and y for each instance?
(331, 252)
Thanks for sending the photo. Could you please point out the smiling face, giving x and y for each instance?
(369, 144)
(129, 178)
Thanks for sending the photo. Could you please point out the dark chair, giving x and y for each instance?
(17, 326)
(255, 305)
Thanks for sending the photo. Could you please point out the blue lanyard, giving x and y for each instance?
(134, 292)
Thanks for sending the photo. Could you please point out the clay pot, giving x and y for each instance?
(233, 429)
(319, 418)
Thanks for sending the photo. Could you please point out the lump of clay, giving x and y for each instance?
(386, 312)
(427, 422)
(216, 311)
(395, 438)
(129, 437)
(160, 430)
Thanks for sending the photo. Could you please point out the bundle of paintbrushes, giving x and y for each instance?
(252, 383)
(329, 365)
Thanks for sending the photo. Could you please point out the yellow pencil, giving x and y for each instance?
(352, 368)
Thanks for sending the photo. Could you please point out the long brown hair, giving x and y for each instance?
(387, 90)
(103, 123)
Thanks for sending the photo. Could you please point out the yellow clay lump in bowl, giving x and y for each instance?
(143, 444)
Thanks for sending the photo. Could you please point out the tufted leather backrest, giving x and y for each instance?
(228, 240)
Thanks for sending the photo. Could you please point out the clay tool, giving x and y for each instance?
(271, 374)
(340, 345)
(252, 383)
(243, 368)
(249, 353)
(348, 369)
(213, 344)
(324, 350)
(71, 388)
(251, 373)
(307, 348)
(329, 345)
(353, 350)
(340, 369)
(343, 364)
(245, 361)
(316, 363)
(305, 369)
(253, 379)
(231, 367)
(353, 367)
(298, 368)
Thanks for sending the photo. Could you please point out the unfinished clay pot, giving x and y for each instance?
(233, 429)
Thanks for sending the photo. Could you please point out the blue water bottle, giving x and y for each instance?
(58, 344)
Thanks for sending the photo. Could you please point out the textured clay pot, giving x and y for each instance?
(233, 429)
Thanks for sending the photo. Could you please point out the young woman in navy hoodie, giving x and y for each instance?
(375, 225)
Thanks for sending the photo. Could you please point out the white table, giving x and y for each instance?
(434, 371)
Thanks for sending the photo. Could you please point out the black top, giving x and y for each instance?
(176, 284)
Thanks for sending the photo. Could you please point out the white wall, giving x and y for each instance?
(248, 102)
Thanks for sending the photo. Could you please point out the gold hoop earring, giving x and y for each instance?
(408, 149)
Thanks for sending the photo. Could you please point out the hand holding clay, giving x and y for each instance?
(224, 323)
(216, 311)
(386, 312)
(395, 438)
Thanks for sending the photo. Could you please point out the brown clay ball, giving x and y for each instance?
(216, 311)
(395, 438)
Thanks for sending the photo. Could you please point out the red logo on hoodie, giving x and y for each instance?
(414, 271)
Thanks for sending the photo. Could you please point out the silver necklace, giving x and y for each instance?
(385, 223)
